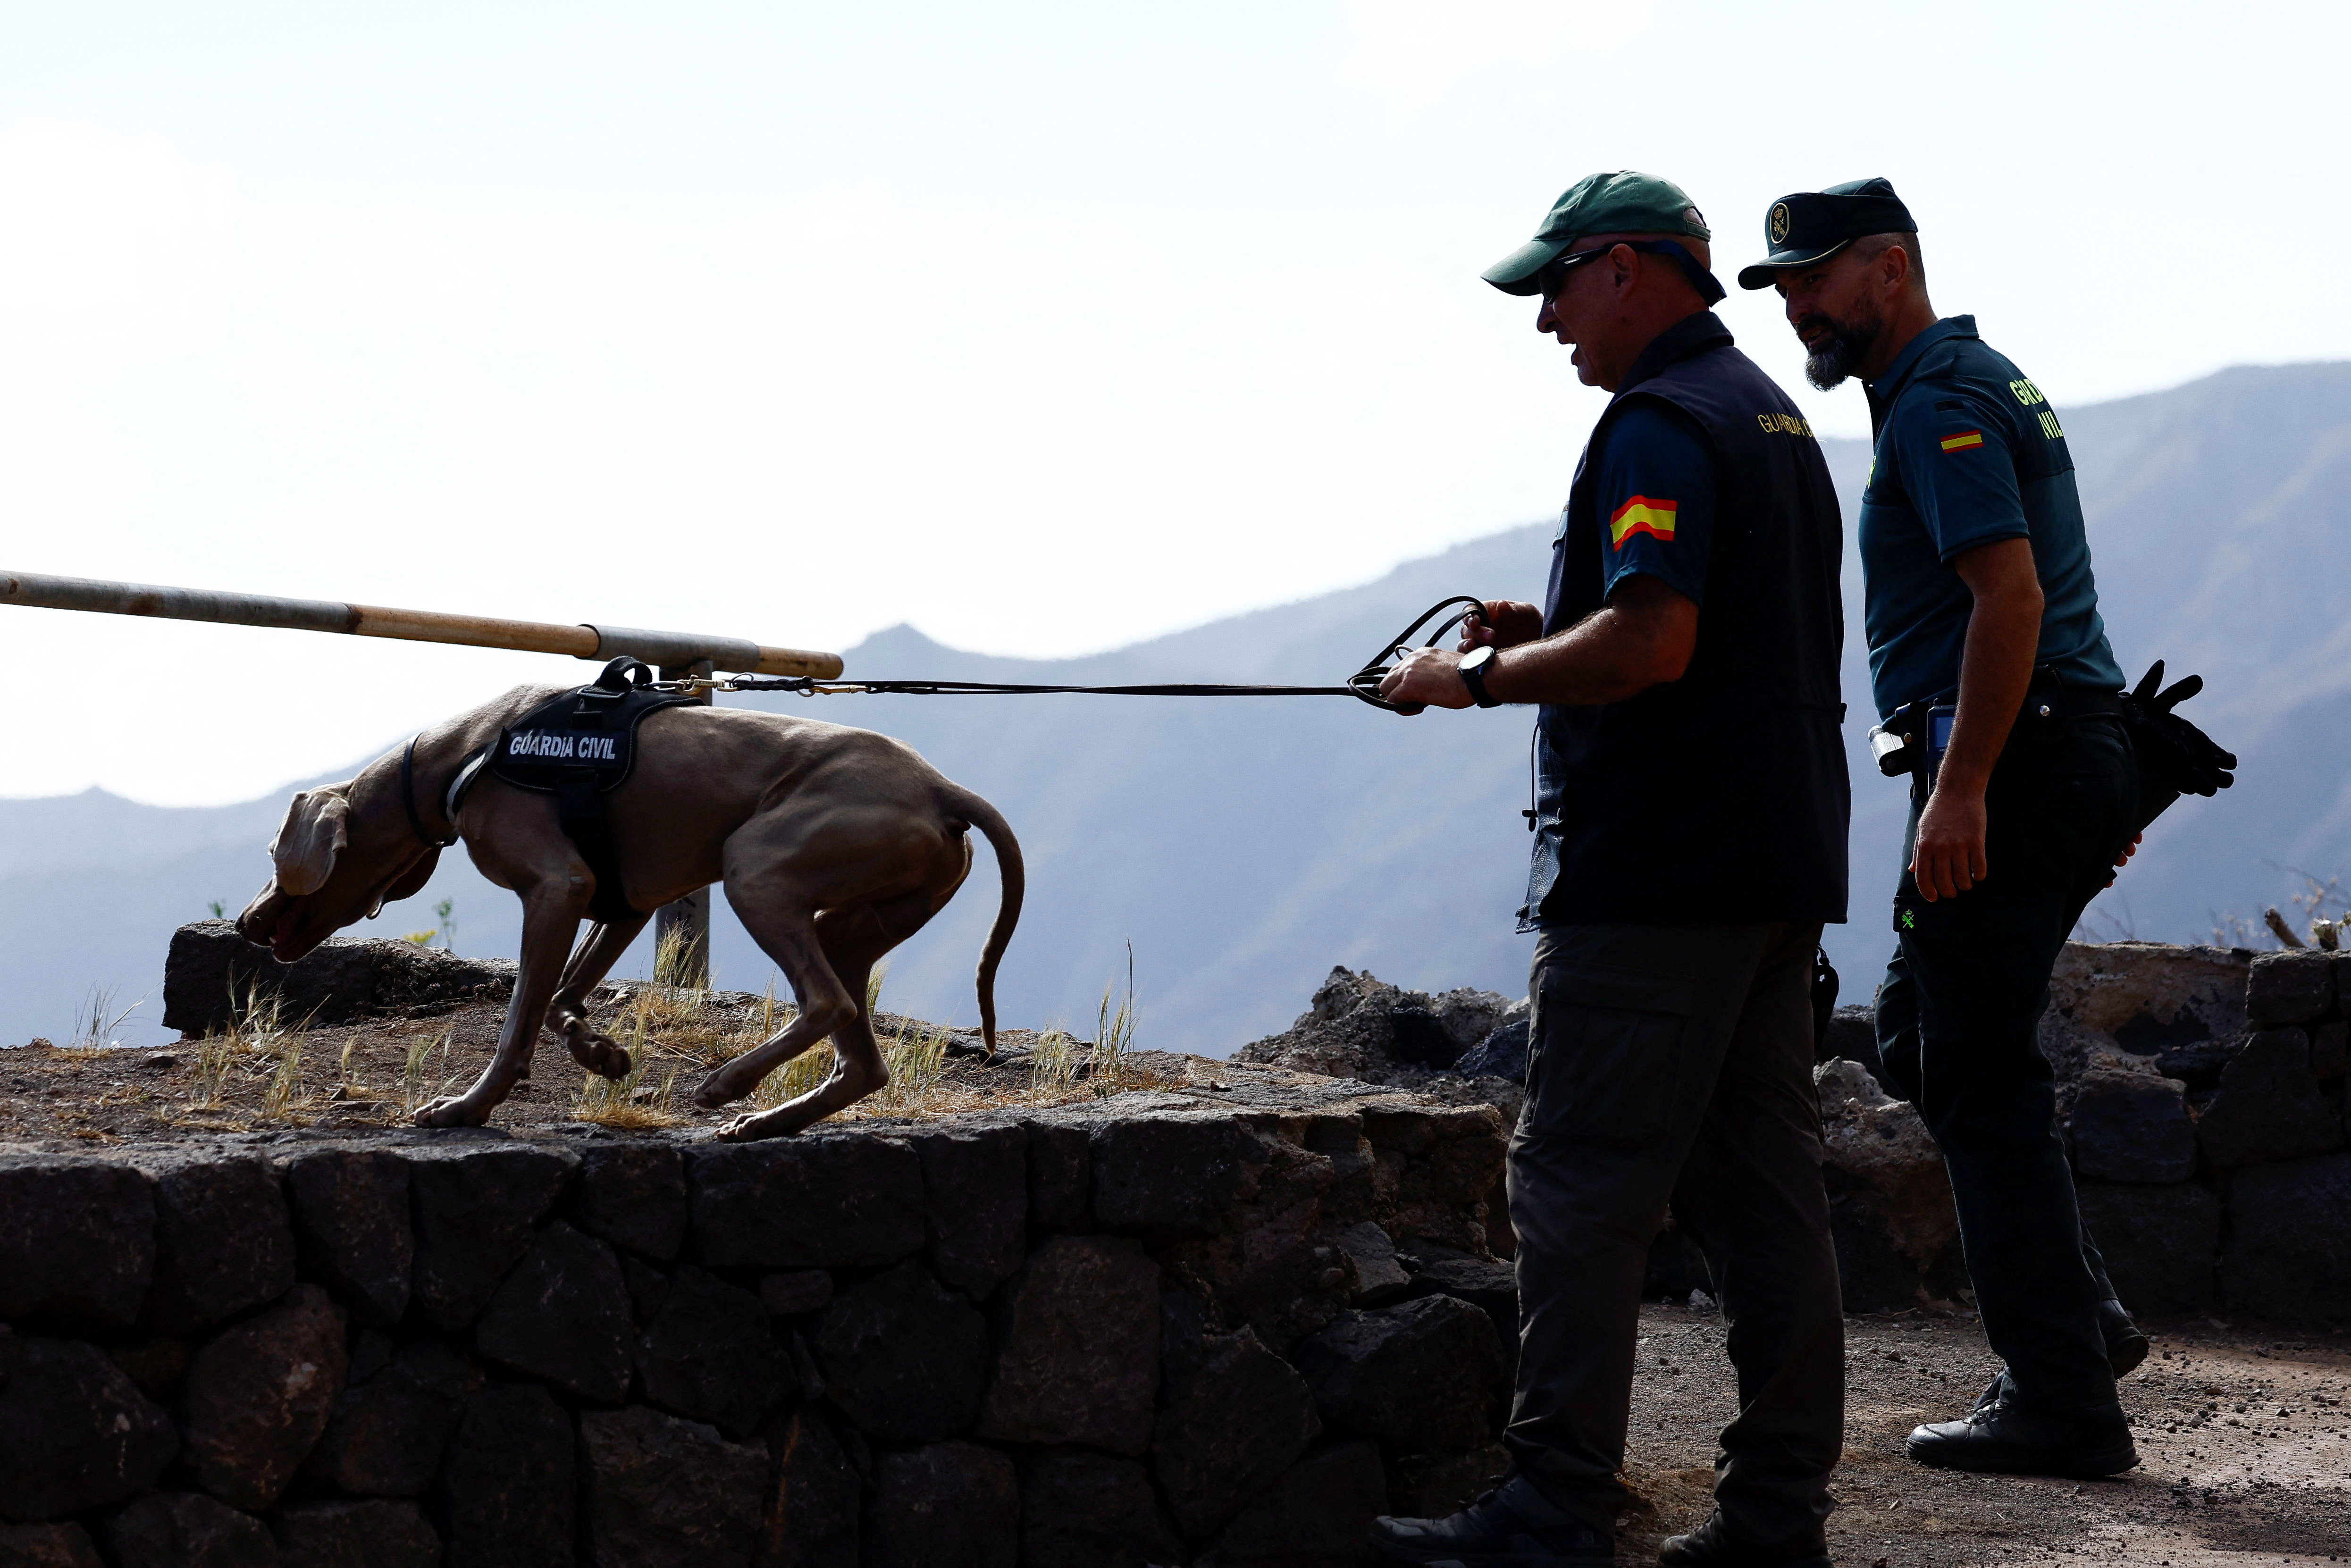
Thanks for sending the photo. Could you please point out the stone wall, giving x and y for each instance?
(2201, 1091)
(1153, 1329)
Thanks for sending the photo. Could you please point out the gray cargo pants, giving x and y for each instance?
(1675, 1064)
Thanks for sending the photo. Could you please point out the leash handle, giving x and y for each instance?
(1365, 682)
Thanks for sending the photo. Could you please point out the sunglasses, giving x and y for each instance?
(1554, 277)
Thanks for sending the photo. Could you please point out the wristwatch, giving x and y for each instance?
(1474, 665)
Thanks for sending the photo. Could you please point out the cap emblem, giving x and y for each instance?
(1777, 224)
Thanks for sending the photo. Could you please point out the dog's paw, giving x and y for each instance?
(453, 1111)
(753, 1125)
(598, 1053)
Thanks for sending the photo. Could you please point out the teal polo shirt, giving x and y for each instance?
(1968, 451)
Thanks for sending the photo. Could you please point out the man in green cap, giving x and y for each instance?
(1689, 841)
(2000, 697)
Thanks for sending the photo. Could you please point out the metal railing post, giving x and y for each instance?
(687, 920)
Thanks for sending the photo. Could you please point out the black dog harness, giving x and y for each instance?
(578, 747)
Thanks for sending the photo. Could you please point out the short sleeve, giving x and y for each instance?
(1656, 500)
(1956, 465)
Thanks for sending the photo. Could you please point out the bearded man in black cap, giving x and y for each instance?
(1999, 695)
(1689, 842)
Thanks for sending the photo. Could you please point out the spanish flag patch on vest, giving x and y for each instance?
(1963, 440)
(1640, 515)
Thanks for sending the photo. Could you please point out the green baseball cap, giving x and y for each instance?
(1806, 226)
(1626, 202)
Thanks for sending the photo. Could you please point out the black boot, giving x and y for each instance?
(1513, 1526)
(2003, 1438)
(2125, 1348)
(1713, 1545)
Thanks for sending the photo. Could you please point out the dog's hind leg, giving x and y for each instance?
(567, 1013)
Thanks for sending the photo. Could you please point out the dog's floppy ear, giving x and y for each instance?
(408, 883)
(315, 828)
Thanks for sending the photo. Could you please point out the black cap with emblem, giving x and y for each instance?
(1812, 226)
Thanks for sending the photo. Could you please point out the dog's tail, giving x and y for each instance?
(1014, 877)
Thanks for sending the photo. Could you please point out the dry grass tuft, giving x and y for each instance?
(627, 1104)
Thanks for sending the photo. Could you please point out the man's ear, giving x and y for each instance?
(410, 882)
(315, 828)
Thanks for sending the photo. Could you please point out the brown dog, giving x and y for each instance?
(835, 845)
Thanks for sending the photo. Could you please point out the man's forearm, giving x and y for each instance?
(1995, 672)
(1642, 637)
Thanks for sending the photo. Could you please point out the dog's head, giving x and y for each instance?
(343, 852)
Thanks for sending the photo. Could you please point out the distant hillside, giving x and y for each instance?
(1244, 846)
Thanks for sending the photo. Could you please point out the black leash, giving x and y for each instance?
(1364, 685)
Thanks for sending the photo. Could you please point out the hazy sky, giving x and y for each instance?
(1042, 326)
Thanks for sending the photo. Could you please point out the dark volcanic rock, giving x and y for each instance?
(2290, 988)
(1379, 1277)
(2288, 1251)
(1428, 1374)
(2270, 1107)
(1061, 1176)
(1080, 1357)
(634, 1195)
(211, 969)
(1239, 1418)
(2161, 1244)
(2128, 1126)
(156, 1365)
(822, 1200)
(1502, 1054)
(1358, 1026)
(904, 1359)
(1853, 1036)
(2330, 1050)
(976, 1196)
(505, 1497)
(648, 1287)
(222, 1241)
(1874, 1273)
(812, 1519)
(665, 1493)
(370, 1534)
(385, 1436)
(1319, 1515)
(259, 1395)
(562, 1315)
(77, 1241)
(1430, 1486)
(1676, 1267)
(1489, 1284)
(352, 1229)
(186, 1530)
(710, 1353)
(951, 1505)
(793, 1294)
(75, 1433)
(474, 1201)
(64, 1545)
(1087, 1510)
(1177, 1172)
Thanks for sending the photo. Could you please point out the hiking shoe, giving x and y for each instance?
(2125, 1348)
(1513, 1526)
(2003, 1439)
(1713, 1545)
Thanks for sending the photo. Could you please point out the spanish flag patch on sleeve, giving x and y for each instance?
(1640, 515)
(1963, 440)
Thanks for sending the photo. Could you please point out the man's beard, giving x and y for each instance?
(1827, 366)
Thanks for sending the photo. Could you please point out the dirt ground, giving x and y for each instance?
(2244, 1442)
(2244, 1433)
(375, 1072)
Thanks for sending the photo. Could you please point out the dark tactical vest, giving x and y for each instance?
(579, 748)
(1720, 796)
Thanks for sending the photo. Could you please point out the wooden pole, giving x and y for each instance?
(668, 649)
(687, 919)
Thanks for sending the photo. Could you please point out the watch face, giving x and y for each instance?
(1478, 659)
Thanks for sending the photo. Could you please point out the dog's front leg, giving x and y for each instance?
(551, 913)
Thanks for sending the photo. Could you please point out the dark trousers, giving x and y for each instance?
(1958, 1023)
(1675, 1064)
